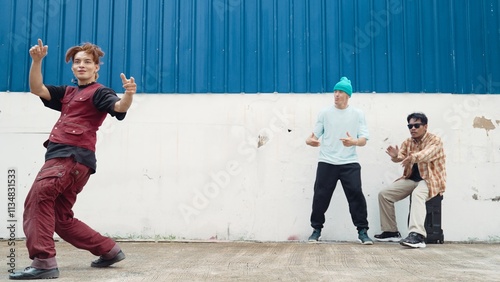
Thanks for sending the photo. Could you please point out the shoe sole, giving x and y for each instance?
(415, 246)
(366, 243)
(50, 275)
(314, 241)
(47, 275)
(392, 239)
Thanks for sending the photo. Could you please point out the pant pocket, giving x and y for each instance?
(51, 181)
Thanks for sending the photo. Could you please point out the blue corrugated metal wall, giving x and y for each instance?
(233, 46)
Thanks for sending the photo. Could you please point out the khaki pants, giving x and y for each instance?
(398, 191)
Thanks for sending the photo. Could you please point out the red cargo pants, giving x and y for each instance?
(48, 209)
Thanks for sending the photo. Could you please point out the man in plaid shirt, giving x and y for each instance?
(424, 177)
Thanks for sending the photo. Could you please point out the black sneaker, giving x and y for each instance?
(414, 240)
(388, 236)
(315, 235)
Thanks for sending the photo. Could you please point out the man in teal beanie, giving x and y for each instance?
(342, 129)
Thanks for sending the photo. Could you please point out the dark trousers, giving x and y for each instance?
(48, 209)
(327, 176)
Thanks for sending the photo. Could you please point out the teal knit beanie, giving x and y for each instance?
(345, 85)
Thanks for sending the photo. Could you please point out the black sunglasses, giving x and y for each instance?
(416, 125)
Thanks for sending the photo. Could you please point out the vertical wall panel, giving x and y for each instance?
(364, 31)
(393, 57)
(299, 46)
(53, 27)
(216, 43)
(151, 40)
(267, 45)
(283, 48)
(251, 46)
(412, 64)
(208, 65)
(20, 39)
(316, 56)
(87, 21)
(348, 23)
(120, 36)
(6, 35)
(169, 48)
(427, 33)
(186, 30)
(335, 48)
(444, 43)
(476, 36)
(492, 43)
(134, 52)
(235, 49)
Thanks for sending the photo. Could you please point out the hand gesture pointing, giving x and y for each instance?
(348, 141)
(128, 84)
(124, 103)
(37, 52)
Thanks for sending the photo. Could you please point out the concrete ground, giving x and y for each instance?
(271, 261)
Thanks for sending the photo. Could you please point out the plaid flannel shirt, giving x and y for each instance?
(428, 153)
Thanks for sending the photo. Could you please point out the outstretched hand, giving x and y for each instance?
(37, 52)
(128, 84)
(392, 151)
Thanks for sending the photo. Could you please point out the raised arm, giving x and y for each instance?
(37, 53)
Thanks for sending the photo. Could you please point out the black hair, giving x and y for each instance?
(417, 116)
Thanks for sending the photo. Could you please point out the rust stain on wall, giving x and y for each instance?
(482, 122)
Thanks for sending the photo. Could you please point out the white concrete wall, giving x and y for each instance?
(189, 166)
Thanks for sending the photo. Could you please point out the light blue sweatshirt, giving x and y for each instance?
(334, 124)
